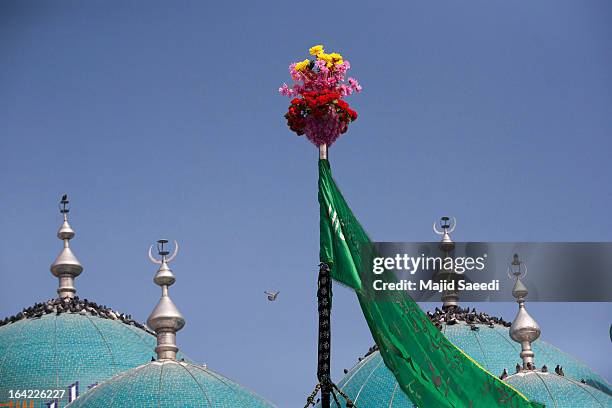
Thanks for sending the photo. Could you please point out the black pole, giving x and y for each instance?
(324, 297)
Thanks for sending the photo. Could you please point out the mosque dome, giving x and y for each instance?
(170, 383)
(558, 391)
(49, 347)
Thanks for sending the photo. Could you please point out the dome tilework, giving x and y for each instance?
(169, 383)
(369, 381)
(56, 351)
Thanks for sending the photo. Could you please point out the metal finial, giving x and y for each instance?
(450, 298)
(64, 204)
(446, 227)
(164, 275)
(518, 270)
(160, 247)
(323, 151)
(66, 266)
(524, 329)
(165, 319)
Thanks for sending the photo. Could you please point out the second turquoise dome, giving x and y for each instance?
(558, 391)
(170, 384)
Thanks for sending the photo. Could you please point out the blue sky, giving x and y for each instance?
(163, 120)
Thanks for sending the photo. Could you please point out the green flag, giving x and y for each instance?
(430, 369)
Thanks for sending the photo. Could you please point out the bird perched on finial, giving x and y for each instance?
(271, 295)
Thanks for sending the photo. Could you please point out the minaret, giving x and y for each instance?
(165, 319)
(66, 266)
(524, 329)
(450, 298)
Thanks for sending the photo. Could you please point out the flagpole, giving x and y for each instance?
(324, 307)
(324, 344)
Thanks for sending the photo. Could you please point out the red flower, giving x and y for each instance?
(318, 104)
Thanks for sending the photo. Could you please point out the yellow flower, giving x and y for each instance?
(327, 58)
(336, 58)
(316, 50)
(300, 66)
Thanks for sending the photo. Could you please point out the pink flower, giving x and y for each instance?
(321, 66)
(286, 91)
(354, 84)
(342, 68)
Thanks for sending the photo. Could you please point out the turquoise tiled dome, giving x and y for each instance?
(556, 391)
(371, 384)
(57, 351)
(169, 383)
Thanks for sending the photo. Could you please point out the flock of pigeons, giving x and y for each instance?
(473, 318)
(530, 366)
(74, 305)
(84, 307)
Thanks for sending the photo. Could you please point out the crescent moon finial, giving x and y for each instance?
(436, 229)
(155, 261)
(176, 248)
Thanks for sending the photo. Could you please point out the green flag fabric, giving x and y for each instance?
(432, 371)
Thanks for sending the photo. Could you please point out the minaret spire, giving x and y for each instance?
(165, 319)
(450, 298)
(66, 266)
(524, 329)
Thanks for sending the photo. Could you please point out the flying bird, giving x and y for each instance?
(272, 295)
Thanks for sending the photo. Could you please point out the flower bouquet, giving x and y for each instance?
(317, 109)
